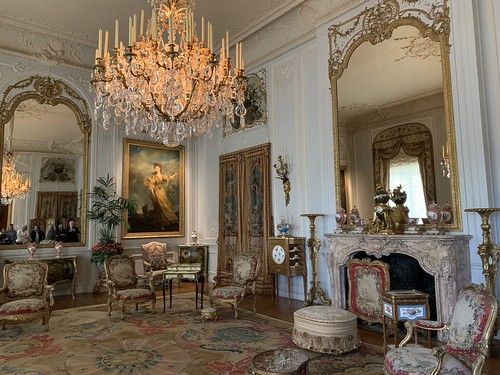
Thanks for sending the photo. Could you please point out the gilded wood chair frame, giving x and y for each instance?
(44, 292)
(117, 290)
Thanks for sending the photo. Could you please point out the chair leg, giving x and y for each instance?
(211, 299)
(109, 306)
(136, 306)
(235, 304)
(3, 325)
(254, 301)
(122, 310)
(45, 321)
(153, 303)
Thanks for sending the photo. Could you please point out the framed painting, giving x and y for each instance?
(153, 178)
(255, 104)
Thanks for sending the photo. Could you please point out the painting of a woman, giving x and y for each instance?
(161, 203)
(153, 178)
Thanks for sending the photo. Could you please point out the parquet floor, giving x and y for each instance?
(281, 308)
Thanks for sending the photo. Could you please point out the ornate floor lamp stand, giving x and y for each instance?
(314, 244)
(489, 253)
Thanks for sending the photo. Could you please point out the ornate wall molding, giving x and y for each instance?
(45, 90)
(376, 24)
(286, 74)
(446, 257)
(46, 47)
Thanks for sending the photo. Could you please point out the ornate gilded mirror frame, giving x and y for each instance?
(47, 90)
(376, 24)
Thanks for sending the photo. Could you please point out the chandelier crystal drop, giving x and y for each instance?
(168, 82)
(14, 185)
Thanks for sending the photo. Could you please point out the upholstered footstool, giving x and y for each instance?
(325, 329)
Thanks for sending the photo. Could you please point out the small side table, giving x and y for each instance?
(192, 271)
(401, 305)
(280, 361)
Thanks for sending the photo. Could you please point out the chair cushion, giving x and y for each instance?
(420, 361)
(23, 306)
(229, 292)
(131, 294)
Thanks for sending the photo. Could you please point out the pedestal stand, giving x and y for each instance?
(314, 244)
(489, 254)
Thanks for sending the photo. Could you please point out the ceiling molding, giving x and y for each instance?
(265, 20)
(49, 30)
(44, 47)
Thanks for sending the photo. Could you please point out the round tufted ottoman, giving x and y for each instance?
(325, 329)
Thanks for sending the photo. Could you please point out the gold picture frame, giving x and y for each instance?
(153, 178)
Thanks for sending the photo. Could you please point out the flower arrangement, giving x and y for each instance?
(102, 251)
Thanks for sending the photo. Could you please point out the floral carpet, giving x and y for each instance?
(85, 341)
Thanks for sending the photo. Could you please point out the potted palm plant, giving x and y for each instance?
(107, 209)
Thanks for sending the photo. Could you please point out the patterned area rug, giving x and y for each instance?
(85, 341)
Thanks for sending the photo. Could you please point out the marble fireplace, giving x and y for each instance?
(445, 257)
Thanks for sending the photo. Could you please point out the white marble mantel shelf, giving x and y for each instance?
(446, 257)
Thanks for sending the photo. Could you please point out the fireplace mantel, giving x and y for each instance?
(445, 257)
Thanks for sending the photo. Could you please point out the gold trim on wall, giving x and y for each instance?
(48, 90)
(376, 24)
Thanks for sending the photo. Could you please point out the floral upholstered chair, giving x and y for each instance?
(26, 293)
(367, 280)
(156, 257)
(121, 280)
(245, 271)
(470, 330)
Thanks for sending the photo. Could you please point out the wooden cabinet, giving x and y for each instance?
(286, 256)
(194, 254)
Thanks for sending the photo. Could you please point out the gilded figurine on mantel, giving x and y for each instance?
(387, 219)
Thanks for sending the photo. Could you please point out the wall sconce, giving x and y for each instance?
(445, 161)
(282, 171)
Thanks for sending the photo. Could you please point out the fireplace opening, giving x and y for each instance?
(405, 273)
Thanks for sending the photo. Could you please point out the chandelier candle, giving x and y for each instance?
(167, 82)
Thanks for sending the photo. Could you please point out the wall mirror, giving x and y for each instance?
(45, 128)
(392, 109)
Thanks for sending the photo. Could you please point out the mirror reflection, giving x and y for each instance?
(46, 147)
(393, 124)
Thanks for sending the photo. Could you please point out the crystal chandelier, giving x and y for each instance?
(168, 82)
(14, 185)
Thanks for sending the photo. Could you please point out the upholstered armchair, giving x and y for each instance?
(121, 280)
(26, 294)
(245, 271)
(470, 330)
(156, 258)
(367, 280)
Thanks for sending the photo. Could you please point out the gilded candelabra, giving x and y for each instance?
(315, 291)
(489, 253)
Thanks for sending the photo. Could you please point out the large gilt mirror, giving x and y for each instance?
(392, 109)
(45, 130)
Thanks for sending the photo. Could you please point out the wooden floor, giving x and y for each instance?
(281, 308)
